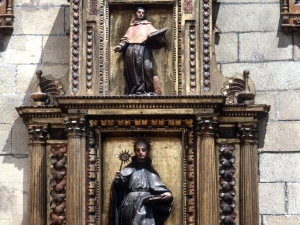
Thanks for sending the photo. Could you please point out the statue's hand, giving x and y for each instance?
(166, 196)
(117, 48)
(117, 176)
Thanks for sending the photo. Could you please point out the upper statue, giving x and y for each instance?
(140, 38)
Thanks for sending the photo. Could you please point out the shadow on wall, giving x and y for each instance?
(52, 57)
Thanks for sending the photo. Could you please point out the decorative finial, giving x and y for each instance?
(246, 96)
(39, 97)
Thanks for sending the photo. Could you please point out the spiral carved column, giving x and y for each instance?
(37, 199)
(249, 175)
(75, 205)
(208, 193)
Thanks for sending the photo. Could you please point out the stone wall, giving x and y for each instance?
(250, 39)
(39, 41)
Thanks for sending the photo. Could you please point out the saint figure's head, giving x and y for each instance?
(141, 149)
(139, 13)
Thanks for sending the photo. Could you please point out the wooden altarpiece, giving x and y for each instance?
(202, 128)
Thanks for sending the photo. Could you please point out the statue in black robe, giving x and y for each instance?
(138, 196)
(138, 42)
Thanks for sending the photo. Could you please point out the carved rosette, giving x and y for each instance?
(75, 45)
(206, 40)
(227, 182)
(192, 58)
(37, 134)
(89, 58)
(74, 126)
(101, 48)
(248, 132)
(58, 183)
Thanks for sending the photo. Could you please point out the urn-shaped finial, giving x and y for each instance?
(39, 97)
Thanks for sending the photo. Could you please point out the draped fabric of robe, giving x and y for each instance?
(128, 204)
(138, 58)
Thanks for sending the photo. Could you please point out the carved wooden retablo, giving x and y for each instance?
(202, 126)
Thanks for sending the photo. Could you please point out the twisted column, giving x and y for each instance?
(207, 183)
(37, 196)
(249, 175)
(75, 195)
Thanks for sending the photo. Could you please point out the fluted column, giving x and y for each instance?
(249, 175)
(75, 207)
(37, 196)
(207, 182)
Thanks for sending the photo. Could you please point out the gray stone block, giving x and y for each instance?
(56, 50)
(248, 17)
(268, 76)
(7, 79)
(226, 49)
(293, 198)
(281, 220)
(279, 167)
(46, 20)
(271, 198)
(289, 106)
(264, 46)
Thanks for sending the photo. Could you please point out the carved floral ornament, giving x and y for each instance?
(37, 133)
(74, 126)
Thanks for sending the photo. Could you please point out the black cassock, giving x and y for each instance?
(127, 197)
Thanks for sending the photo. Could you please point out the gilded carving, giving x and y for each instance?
(206, 44)
(248, 132)
(89, 57)
(227, 182)
(75, 45)
(37, 133)
(58, 182)
(192, 58)
(74, 126)
(101, 49)
(207, 125)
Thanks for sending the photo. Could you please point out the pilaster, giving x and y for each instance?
(208, 210)
(249, 175)
(37, 174)
(75, 196)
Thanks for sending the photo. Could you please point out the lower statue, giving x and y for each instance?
(138, 196)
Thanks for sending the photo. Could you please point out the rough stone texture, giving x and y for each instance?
(7, 78)
(49, 20)
(294, 198)
(21, 49)
(296, 38)
(19, 137)
(5, 138)
(264, 46)
(7, 108)
(268, 98)
(279, 167)
(225, 47)
(56, 49)
(268, 76)
(281, 220)
(282, 136)
(40, 2)
(245, 17)
(272, 194)
(289, 106)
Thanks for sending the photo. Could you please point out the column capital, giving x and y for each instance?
(74, 125)
(207, 125)
(37, 133)
(248, 132)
